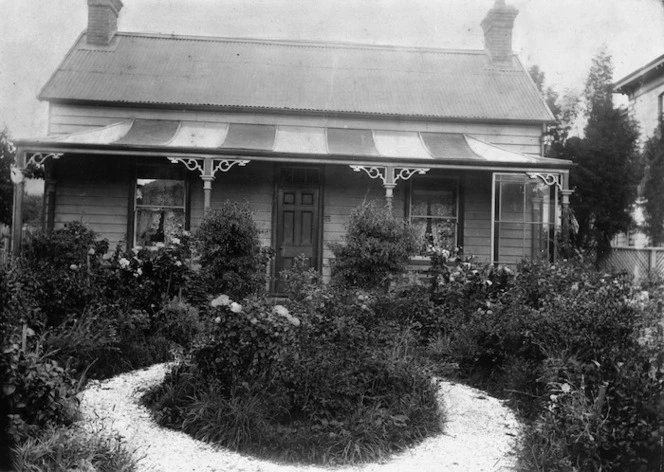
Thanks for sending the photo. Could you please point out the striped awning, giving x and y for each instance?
(288, 140)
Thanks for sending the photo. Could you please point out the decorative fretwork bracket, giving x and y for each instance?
(208, 166)
(390, 175)
(190, 163)
(548, 179)
(37, 159)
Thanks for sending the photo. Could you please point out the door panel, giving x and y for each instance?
(297, 218)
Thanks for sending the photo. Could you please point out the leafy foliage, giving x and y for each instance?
(231, 255)
(74, 448)
(326, 384)
(565, 110)
(608, 166)
(565, 343)
(37, 390)
(377, 247)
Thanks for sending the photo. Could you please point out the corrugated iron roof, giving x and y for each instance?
(279, 75)
(169, 136)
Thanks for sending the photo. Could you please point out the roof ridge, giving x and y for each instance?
(301, 43)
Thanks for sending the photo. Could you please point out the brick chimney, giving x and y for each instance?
(102, 21)
(497, 26)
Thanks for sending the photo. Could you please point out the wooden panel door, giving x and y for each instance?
(298, 217)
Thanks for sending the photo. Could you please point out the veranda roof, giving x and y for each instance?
(287, 142)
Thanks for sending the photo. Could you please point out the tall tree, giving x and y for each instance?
(7, 152)
(565, 110)
(653, 189)
(609, 169)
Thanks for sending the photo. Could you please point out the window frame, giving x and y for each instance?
(141, 172)
(496, 207)
(456, 186)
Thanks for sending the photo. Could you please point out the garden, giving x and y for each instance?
(339, 373)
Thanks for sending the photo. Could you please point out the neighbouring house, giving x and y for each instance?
(148, 132)
(645, 93)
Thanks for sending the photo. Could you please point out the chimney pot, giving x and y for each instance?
(497, 26)
(102, 21)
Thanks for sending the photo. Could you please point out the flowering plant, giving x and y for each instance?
(245, 339)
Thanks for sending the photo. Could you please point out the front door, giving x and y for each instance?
(298, 213)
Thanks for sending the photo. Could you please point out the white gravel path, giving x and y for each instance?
(479, 435)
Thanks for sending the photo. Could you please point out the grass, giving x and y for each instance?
(85, 447)
(316, 420)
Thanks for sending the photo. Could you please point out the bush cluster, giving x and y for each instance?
(231, 256)
(377, 246)
(564, 342)
(70, 310)
(321, 380)
(329, 385)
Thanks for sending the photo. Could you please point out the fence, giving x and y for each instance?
(640, 262)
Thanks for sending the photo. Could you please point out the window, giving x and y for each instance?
(660, 107)
(524, 218)
(434, 212)
(159, 210)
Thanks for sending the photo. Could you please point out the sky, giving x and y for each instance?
(560, 36)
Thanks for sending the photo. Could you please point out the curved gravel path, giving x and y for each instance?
(479, 435)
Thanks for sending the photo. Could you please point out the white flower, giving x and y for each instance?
(253, 321)
(294, 321)
(175, 240)
(178, 263)
(91, 251)
(159, 245)
(124, 263)
(139, 271)
(73, 267)
(280, 310)
(565, 388)
(217, 319)
(221, 300)
(236, 307)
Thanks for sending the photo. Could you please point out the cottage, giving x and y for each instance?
(147, 132)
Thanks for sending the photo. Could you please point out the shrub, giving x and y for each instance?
(63, 261)
(178, 322)
(325, 383)
(244, 340)
(37, 391)
(377, 247)
(146, 278)
(231, 255)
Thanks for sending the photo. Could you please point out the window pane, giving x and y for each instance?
(441, 203)
(511, 201)
(436, 233)
(157, 225)
(160, 192)
(525, 219)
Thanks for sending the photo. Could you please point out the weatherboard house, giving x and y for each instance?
(148, 132)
